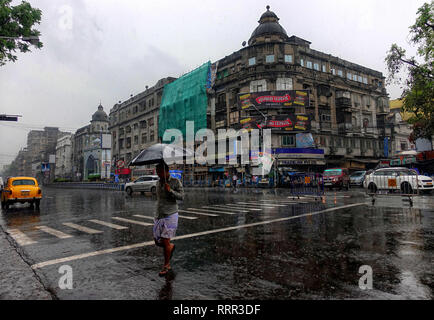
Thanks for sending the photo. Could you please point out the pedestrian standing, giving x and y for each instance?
(169, 190)
(234, 180)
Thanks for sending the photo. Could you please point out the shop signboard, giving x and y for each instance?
(290, 122)
(273, 99)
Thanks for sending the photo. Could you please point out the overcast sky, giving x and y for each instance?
(105, 50)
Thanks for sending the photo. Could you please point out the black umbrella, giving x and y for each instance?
(159, 152)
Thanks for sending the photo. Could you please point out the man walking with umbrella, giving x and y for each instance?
(169, 190)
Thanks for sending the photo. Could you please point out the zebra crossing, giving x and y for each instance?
(190, 214)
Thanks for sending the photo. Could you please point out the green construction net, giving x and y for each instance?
(185, 99)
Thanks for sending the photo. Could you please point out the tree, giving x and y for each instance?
(17, 24)
(418, 86)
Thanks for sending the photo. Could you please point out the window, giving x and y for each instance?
(128, 143)
(288, 58)
(326, 118)
(340, 73)
(121, 143)
(143, 124)
(258, 85)
(128, 129)
(136, 140)
(269, 58)
(324, 68)
(359, 78)
(316, 66)
(302, 62)
(151, 122)
(252, 61)
(323, 141)
(136, 126)
(349, 76)
(144, 138)
(234, 117)
(333, 71)
(284, 84)
(152, 137)
(288, 140)
(309, 64)
(365, 80)
(354, 77)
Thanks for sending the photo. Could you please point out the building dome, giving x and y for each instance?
(268, 26)
(100, 115)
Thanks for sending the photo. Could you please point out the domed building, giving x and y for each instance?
(333, 97)
(92, 148)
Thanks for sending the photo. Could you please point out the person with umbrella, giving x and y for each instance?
(169, 190)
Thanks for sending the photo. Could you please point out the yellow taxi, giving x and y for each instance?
(21, 190)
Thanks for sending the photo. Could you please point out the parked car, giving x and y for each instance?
(142, 184)
(336, 178)
(21, 190)
(401, 179)
(357, 178)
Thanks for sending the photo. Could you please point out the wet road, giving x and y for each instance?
(250, 244)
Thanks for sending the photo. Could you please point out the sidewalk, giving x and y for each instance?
(17, 279)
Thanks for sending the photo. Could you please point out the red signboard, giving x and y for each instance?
(289, 98)
(123, 171)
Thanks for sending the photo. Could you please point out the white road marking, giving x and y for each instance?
(211, 211)
(217, 207)
(152, 218)
(82, 228)
(133, 221)
(20, 237)
(272, 202)
(199, 213)
(264, 204)
(108, 224)
(54, 232)
(237, 206)
(192, 235)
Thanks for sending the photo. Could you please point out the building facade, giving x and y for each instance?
(92, 149)
(64, 157)
(134, 125)
(347, 105)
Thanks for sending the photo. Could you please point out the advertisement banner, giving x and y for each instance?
(290, 122)
(267, 99)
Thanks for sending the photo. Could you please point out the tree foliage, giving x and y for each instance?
(418, 85)
(17, 22)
